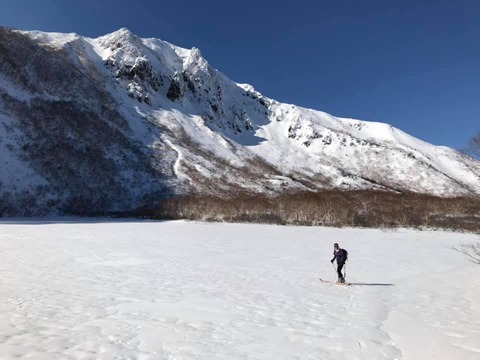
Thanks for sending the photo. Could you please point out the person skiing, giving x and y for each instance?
(341, 255)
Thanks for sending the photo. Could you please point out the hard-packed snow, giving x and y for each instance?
(176, 290)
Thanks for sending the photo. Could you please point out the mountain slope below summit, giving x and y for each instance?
(62, 125)
(316, 148)
(358, 154)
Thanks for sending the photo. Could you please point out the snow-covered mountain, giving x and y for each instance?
(117, 122)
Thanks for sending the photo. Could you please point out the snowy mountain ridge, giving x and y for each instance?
(118, 121)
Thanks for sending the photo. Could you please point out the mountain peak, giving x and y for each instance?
(122, 32)
(120, 38)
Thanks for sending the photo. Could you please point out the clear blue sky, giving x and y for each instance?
(413, 64)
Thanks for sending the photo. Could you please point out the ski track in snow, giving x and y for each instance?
(179, 290)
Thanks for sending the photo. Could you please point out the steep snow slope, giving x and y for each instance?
(119, 121)
(357, 154)
(339, 152)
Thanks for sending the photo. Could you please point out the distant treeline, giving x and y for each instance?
(373, 209)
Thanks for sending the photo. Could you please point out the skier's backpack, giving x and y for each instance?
(345, 254)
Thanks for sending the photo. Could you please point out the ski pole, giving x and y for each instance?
(345, 271)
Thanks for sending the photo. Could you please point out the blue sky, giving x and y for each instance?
(413, 64)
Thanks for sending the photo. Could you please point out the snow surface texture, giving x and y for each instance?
(161, 119)
(177, 290)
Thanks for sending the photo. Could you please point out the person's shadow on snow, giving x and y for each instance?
(370, 284)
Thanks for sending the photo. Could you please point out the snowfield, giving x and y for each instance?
(179, 290)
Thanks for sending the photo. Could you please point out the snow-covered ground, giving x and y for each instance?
(178, 290)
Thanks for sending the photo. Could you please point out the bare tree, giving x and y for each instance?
(472, 251)
(474, 146)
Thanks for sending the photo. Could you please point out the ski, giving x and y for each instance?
(333, 283)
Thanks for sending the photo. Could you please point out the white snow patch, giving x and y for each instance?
(177, 290)
(177, 166)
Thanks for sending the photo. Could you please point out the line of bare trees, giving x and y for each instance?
(329, 208)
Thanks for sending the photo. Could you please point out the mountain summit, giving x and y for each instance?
(118, 122)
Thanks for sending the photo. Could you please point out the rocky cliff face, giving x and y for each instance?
(118, 122)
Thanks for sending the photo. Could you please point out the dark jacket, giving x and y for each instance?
(341, 256)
